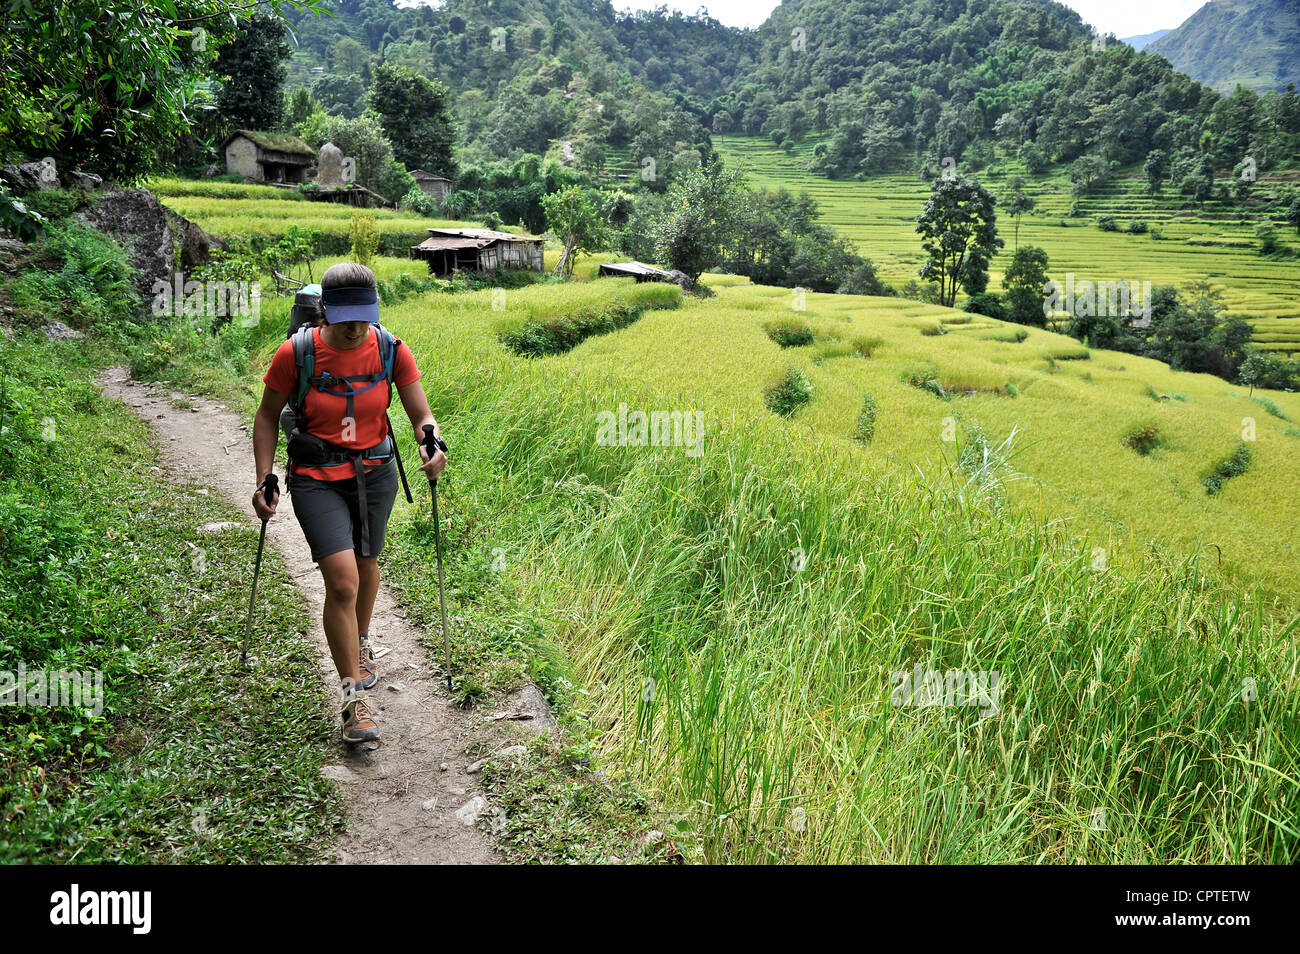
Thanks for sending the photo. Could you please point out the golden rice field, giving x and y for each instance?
(1218, 245)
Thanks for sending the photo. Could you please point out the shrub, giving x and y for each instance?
(1270, 405)
(1267, 236)
(1013, 338)
(25, 223)
(792, 392)
(927, 379)
(55, 203)
(1233, 465)
(1107, 223)
(363, 238)
(866, 346)
(1138, 227)
(81, 277)
(986, 303)
(789, 333)
(1143, 438)
(866, 426)
(560, 333)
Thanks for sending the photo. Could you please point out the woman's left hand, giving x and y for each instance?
(432, 468)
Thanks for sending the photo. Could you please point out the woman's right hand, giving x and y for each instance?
(260, 506)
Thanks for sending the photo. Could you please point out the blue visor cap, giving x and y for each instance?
(350, 303)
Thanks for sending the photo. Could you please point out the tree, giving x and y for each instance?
(252, 70)
(299, 106)
(1018, 203)
(364, 141)
(576, 221)
(1199, 183)
(1155, 168)
(1086, 172)
(1024, 282)
(101, 84)
(722, 124)
(348, 57)
(415, 112)
(957, 225)
(697, 224)
(1293, 214)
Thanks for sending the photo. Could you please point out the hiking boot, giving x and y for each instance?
(358, 724)
(369, 668)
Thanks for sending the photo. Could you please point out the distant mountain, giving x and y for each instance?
(1145, 40)
(1252, 42)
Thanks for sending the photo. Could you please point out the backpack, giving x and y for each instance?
(301, 333)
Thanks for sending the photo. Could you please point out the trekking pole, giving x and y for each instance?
(272, 488)
(432, 443)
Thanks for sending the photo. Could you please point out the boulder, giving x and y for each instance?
(58, 331)
(86, 181)
(195, 244)
(138, 222)
(329, 167)
(32, 176)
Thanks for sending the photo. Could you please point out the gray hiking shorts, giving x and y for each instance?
(329, 514)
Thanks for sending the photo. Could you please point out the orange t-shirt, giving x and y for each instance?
(325, 415)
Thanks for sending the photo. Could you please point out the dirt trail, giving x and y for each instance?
(404, 808)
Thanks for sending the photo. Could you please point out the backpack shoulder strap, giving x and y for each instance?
(304, 359)
(388, 343)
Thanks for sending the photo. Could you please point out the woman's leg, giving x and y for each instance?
(367, 589)
(342, 610)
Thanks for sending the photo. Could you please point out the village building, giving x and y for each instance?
(478, 250)
(272, 158)
(436, 187)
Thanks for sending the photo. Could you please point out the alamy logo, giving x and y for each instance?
(955, 687)
(197, 299)
(39, 687)
(1086, 299)
(654, 429)
(103, 907)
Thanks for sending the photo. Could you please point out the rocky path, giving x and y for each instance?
(411, 800)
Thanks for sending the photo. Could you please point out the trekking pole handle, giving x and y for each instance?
(272, 487)
(433, 443)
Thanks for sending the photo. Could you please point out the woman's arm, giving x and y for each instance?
(417, 409)
(266, 435)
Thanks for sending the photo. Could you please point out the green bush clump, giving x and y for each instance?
(80, 277)
(1270, 405)
(792, 392)
(927, 379)
(1143, 438)
(790, 333)
(866, 346)
(866, 426)
(563, 333)
(1233, 465)
(55, 204)
(1137, 227)
(1107, 223)
(420, 202)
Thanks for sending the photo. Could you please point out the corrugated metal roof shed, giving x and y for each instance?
(484, 234)
(638, 270)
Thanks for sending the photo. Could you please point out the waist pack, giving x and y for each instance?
(309, 450)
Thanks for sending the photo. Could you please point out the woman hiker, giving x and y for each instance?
(344, 515)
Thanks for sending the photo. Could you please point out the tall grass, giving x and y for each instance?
(734, 620)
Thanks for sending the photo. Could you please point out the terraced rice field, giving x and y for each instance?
(1217, 244)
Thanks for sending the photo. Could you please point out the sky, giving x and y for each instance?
(1123, 18)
